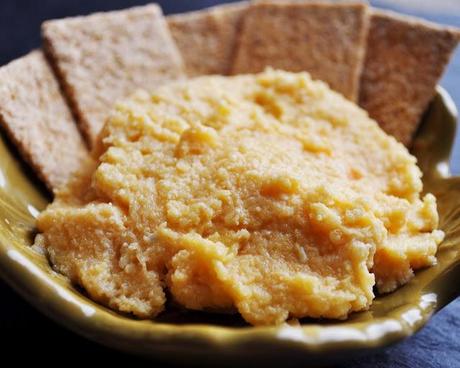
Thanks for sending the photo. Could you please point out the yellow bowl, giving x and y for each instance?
(196, 338)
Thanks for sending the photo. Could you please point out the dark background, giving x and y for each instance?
(35, 337)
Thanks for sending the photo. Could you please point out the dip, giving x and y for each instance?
(269, 194)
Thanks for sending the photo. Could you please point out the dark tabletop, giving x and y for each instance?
(436, 345)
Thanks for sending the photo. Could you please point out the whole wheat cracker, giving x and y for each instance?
(326, 39)
(405, 59)
(37, 119)
(103, 57)
(207, 38)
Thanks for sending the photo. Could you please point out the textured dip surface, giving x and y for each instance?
(269, 194)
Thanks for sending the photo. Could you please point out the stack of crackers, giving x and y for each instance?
(54, 102)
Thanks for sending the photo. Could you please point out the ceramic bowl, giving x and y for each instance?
(197, 338)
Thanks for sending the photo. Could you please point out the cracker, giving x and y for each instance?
(37, 119)
(405, 59)
(103, 57)
(326, 39)
(206, 38)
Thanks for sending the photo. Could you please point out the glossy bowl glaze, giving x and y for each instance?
(197, 338)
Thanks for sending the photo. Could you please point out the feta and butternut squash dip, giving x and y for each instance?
(269, 194)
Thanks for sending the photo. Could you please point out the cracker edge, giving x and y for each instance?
(67, 88)
(214, 11)
(30, 159)
(414, 22)
(354, 96)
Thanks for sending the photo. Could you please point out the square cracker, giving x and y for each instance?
(405, 59)
(103, 57)
(207, 38)
(37, 119)
(326, 39)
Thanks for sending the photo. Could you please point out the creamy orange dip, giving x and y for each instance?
(266, 193)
